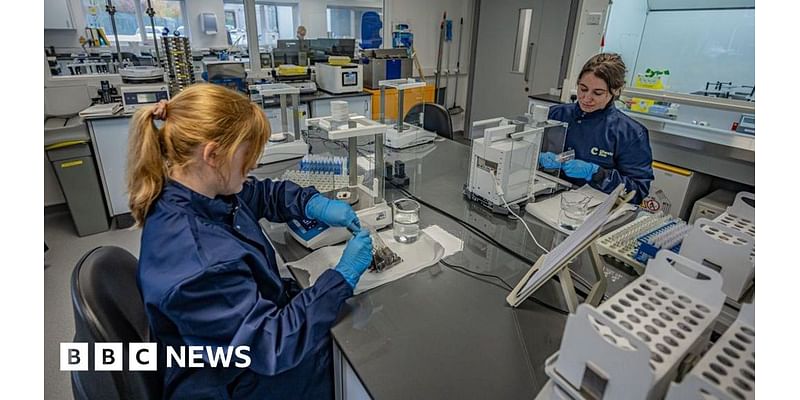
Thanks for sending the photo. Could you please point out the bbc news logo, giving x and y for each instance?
(144, 356)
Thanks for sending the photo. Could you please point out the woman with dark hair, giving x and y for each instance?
(610, 147)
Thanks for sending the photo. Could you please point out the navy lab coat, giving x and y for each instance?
(208, 276)
(612, 140)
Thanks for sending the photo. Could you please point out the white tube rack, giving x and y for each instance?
(741, 216)
(621, 243)
(728, 369)
(632, 345)
(323, 182)
(726, 249)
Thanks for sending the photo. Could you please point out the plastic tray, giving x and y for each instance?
(632, 345)
(728, 369)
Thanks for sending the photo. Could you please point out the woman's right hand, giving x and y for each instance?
(356, 257)
(549, 160)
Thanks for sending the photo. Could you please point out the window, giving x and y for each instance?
(125, 18)
(712, 54)
(169, 14)
(273, 22)
(345, 22)
(230, 18)
(130, 16)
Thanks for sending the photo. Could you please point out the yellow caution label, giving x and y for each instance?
(71, 163)
(671, 168)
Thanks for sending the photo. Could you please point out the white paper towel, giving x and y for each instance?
(433, 244)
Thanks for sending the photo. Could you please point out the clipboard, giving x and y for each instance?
(557, 260)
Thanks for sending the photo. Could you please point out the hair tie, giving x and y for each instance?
(160, 112)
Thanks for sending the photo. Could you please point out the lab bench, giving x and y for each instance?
(439, 333)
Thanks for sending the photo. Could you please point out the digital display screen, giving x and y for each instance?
(145, 98)
(349, 78)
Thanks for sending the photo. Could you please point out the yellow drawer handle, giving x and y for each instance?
(671, 168)
(71, 163)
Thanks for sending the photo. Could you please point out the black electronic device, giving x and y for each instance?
(105, 92)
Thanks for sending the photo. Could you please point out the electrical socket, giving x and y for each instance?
(594, 18)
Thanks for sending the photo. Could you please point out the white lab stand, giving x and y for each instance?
(284, 144)
(361, 105)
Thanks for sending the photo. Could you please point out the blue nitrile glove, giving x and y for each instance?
(580, 169)
(332, 212)
(356, 257)
(549, 160)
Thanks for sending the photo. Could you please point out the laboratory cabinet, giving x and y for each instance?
(57, 15)
(110, 141)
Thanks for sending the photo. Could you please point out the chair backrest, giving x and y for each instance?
(437, 119)
(108, 308)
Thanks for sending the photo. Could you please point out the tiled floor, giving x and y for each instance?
(66, 248)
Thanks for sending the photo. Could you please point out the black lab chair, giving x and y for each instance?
(108, 308)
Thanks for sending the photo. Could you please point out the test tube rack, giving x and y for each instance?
(668, 236)
(324, 164)
(322, 181)
(623, 243)
(725, 249)
(728, 370)
(176, 59)
(633, 345)
(727, 244)
(741, 215)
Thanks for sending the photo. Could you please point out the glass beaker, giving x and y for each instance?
(574, 208)
(406, 220)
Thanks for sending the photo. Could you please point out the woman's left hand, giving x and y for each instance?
(579, 169)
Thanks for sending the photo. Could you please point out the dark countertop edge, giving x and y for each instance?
(546, 97)
(120, 115)
(323, 95)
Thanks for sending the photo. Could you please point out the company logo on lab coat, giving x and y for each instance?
(600, 152)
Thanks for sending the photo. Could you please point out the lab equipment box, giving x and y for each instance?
(384, 64)
(674, 190)
(712, 205)
(77, 176)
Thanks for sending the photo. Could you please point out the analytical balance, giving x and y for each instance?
(504, 161)
(367, 198)
(401, 135)
(283, 144)
(142, 86)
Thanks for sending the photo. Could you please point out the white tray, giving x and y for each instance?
(424, 252)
